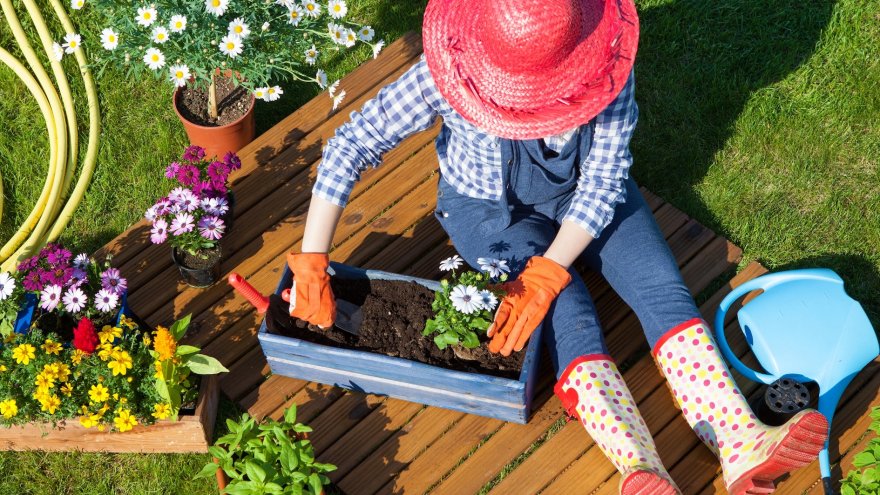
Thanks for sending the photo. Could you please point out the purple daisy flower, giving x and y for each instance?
(194, 154)
(113, 281)
(106, 300)
(171, 170)
(232, 160)
(81, 260)
(182, 224)
(163, 207)
(28, 264)
(188, 175)
(159, 232)
(211, 227)
(187, 201)
(57, 276)
(32, 281)
(218, 172)
(215, 206)
(176, 193)
(58, 256)
(78, 277)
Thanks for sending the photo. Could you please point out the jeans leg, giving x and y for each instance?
(633, 256)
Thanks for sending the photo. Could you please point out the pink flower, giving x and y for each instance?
(194, 153)
(50, 297)
(182, 224)
(112, 280)
(232, 160)
(171, 170)
(188, 175)
(186, 200)
(211, 227)
(215, 206)
(159, 232)
(218, 172)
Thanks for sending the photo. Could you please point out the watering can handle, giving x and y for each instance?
(763, 282)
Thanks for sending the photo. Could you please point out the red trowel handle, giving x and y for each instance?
(247, 290)
(285, 295)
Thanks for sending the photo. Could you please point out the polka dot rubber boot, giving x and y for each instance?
(592, 390)
(752, 454)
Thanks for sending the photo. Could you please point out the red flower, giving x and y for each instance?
(85, 338)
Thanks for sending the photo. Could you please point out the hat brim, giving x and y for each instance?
(529, 104)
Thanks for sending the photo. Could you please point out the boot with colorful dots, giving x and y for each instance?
(752, 454)
(592, 390)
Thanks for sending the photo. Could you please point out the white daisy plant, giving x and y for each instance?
(261, 45)
(71, 42)
(464, 304)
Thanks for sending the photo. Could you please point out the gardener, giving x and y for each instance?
(536, 98)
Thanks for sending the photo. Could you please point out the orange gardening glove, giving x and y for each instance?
(311, 298)
(527, 301)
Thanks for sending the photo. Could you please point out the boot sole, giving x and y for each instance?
(645, 482)
(797, 449)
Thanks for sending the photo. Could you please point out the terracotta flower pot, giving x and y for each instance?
(218, 140)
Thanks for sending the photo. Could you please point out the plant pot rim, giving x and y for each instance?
(253, 103)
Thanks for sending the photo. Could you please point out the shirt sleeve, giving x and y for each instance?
(402, 108)
(600, 186)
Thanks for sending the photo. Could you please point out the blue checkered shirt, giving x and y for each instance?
(470, 158)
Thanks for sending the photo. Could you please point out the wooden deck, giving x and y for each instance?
(387, 446)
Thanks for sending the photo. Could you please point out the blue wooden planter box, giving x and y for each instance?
(373, 373)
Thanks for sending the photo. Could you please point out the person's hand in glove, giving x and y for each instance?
(527, 301)
(311, 298)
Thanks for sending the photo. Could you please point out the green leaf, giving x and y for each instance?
(440, 342)
(218, 452)
(241, 488)
(864, 459)
(315, 484)
(479, 324)
(450, 338)
(289, 459)
(847, 490)
(301, 428)
(273, 488)
(183, 350)
(296, 489)
(430, 327)
(207, 471)
(470, 340)
(179, 327)
(254, 471)
(290, 414)
(201, 364)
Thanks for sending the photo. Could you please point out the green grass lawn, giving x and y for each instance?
(760, 119)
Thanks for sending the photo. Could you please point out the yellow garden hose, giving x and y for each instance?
(50, 214)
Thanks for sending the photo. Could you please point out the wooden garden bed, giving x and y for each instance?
(389, 446)
(192, 433)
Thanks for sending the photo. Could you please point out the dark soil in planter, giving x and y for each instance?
(394, 315)
(62, 325)
(211, 258)
(232, 103)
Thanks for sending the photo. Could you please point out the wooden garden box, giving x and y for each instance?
(371, 373)
(189, 434)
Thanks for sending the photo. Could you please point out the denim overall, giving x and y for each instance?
(631, 253)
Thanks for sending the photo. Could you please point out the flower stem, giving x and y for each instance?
(212, 99)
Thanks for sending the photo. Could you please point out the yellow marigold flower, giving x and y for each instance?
(147, 339)
(124, 421)
(98, 393)
(164, 343)
(159, 373)
(103, 409)
(52, 347)
(121, 363)
(89, 420)
(44, 381)
(41, 394)
(8, 408)
(108, 334)
(84, 409)
(2, 368)
(77, 357)
(105, 352)
(67, 389)
(50, 404)
(123, 400)
(115, 396)
(62, 371)
(161, 410)
(24, 353)
(128, 322)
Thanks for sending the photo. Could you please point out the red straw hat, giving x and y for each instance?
(525, 69)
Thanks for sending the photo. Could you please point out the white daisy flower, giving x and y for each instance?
(179, 75)
(488, 300)
(50, 297)
(294, 15)
(451, 263)
(160, 34)
(311, 55)
(7, 285)
(57, 52)
(154, 59)
(265, 26)
(378, 48)
(287, 4)
(109, 39)
(494, 267)
(216, 7)
(77, 4)
(273, 93)
(71, 42)
(332, 88)
(338, 99)
(231, 45)
(177, 24)
(81, 261)
(260, 93)
(74, 300)
(239, 28)
(321, 78)
(465, 298)
(337, 32)
(312, 9)
(337, 9)
(146, 16)
(106, 300)
(366, 33)
(350, 38)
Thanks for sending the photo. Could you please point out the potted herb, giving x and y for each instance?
(267, 457)
(221, 56)
(193, 216)
(865, 478)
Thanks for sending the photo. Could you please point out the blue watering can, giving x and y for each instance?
(805, 327)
